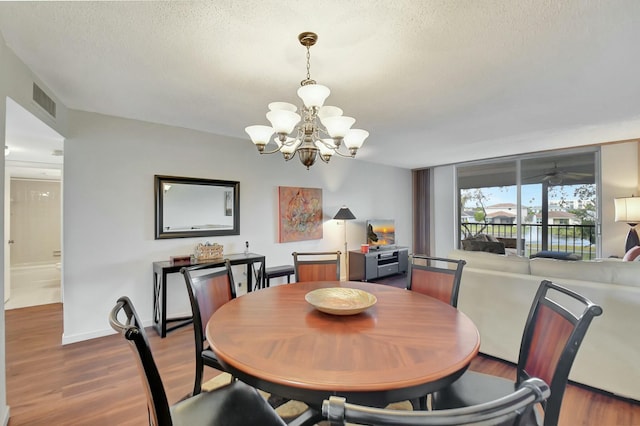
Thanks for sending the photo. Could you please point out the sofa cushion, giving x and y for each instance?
(577, 270)
(490, 261)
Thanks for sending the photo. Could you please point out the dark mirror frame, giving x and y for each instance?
(162, 233)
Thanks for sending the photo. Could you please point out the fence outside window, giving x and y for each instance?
(578, 239)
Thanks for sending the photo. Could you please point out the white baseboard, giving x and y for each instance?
(80, 337)
(6, 416)
(75, 338)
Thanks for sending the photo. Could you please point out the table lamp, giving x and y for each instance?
(345, 214)
(628, 210)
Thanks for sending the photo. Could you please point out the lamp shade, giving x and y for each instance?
(627, 209)
(313, 95)
(259, 134)
(283, 121)
(290, 145)
(344, 214)
(355, 138)
(326, 147)
(286, 106)
(329, 111)
(338, 126)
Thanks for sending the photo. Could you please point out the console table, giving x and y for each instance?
(378, 263)
(164, 268)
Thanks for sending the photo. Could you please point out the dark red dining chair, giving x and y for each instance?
(557, 323)
(513, 409)
(235, 404)
(208, 289)
(431, 276)
(317, 266)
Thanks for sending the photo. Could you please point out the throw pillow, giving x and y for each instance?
(559, 255)
(632, 254)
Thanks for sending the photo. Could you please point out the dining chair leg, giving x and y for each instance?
(197, 385)
(419, 403)
(309, 417)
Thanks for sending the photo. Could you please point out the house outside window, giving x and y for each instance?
(532, 203)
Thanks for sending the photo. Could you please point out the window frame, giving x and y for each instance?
(517, 162)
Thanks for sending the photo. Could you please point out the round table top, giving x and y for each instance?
(276, 341)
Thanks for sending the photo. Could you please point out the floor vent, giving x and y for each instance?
(44, 100)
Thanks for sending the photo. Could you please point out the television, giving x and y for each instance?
(381, 232)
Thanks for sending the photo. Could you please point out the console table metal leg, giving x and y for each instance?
(157, 312)
(263, 274)
(249, 277)
(260, 275)
(163, 306)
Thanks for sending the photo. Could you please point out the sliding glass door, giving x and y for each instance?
(543, 204)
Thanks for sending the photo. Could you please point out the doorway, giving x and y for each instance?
(33, 210)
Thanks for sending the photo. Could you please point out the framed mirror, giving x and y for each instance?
(191, 207)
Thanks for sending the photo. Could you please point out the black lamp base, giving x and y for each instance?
(632, 238)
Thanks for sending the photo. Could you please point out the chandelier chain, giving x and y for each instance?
(308, 63)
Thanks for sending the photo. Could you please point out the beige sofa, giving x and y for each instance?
(497, 290)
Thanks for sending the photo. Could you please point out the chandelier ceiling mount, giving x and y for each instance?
(319, 132)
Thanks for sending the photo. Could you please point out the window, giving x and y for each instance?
(533, 203)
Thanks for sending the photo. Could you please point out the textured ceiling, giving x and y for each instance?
(434, 82)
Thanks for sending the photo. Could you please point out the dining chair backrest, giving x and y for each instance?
(133, 332)
(208, 290)
(556, 325)
(317, 266)
(513, 409)
(436, 277)
(233, 404)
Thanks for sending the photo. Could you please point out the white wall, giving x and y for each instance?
(16, 81)
(620, 175)
(620, 178)
(108, 228)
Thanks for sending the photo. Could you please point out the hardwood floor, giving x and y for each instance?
(96, 382)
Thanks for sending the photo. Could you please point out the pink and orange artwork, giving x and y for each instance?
(300, 214)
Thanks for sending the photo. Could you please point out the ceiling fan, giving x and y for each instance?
(556, 176)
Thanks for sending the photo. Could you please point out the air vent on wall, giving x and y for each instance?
(44, 100)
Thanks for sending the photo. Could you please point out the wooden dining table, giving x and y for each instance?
(403, 347)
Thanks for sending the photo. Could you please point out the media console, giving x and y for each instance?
(379, 262)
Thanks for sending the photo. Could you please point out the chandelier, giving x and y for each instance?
(318, 131)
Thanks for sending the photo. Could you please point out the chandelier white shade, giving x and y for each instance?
(317, 131)
(313, 95)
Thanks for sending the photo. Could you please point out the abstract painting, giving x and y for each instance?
(300, 213)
